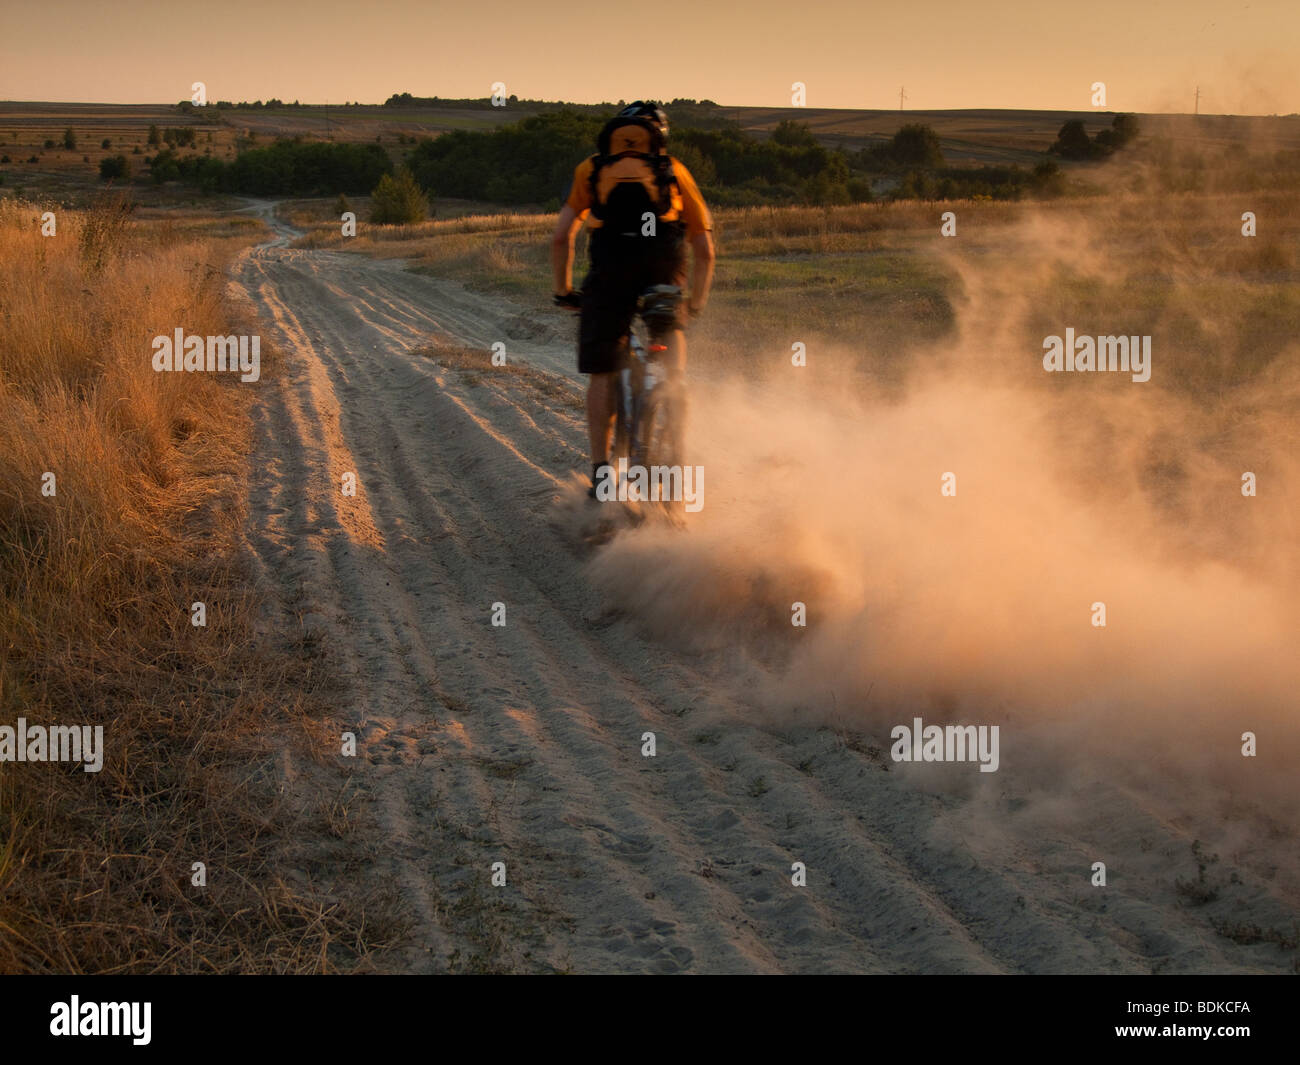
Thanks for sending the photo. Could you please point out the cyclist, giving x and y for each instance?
(642, 207)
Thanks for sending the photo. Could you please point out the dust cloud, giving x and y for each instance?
(824, 488)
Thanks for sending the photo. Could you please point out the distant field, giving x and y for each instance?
(968, 138)
(878, 283)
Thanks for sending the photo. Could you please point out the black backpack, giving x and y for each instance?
(628, 185)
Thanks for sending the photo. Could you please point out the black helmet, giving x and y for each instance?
(649, 116)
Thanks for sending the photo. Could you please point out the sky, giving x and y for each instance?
(1044, 54)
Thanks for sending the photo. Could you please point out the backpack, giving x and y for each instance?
(630, 177)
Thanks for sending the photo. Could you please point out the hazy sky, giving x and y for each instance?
(948, 53)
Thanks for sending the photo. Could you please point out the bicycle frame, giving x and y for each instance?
(649, 404)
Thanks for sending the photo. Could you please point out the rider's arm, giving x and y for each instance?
(702, 276)
(566, 230)
(699, 224)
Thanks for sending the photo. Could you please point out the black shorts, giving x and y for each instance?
(621, 269)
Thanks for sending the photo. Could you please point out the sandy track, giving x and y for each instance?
(522, 744)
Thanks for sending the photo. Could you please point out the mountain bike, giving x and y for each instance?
(650, 412)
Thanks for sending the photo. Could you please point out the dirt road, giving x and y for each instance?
(522, 743)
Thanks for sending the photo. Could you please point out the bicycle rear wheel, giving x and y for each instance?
(626, 388)
(660, 426)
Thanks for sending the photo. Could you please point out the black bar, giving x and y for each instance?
(876, 1014)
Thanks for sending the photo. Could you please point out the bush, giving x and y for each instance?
(49, 144)
(342, 205)
(794, 134)
(859, 190)
(398, 201)
(114, 168)
(1073, 142)
(291, 168)
(525, 162)
(1123, 130)
(1047, 178)
(106, 143)
(155, 137)
(69, 140)
(916, 145)
(164, 167)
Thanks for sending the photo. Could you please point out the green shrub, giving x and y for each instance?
(398, 200)
(1073, 142)
(859, 190)
(916, 145)
(1047, 178)
(164, 167)
(69, 140)
(114, 168)
(794, 134)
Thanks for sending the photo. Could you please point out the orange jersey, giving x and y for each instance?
(687, 204)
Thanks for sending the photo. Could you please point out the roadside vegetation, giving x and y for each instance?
(120, 507)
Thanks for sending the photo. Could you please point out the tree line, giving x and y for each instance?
(530, 163)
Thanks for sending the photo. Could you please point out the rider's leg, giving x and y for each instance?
(674, 359)
(674, 362)
(601, 403)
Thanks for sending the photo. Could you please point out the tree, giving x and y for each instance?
(1073, 142)
(155, 137)
(1123, 130)
(69, 140)
(859, 190)
(398, 201)
(164, 167)
(1126, 129)
(916, 145)
(114, 168)
(794, 134)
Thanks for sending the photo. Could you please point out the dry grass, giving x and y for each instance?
(96, 586)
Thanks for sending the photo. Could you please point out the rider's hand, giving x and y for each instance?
(571, 301)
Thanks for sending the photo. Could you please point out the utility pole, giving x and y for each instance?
(1197, 109)
(901, 98)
